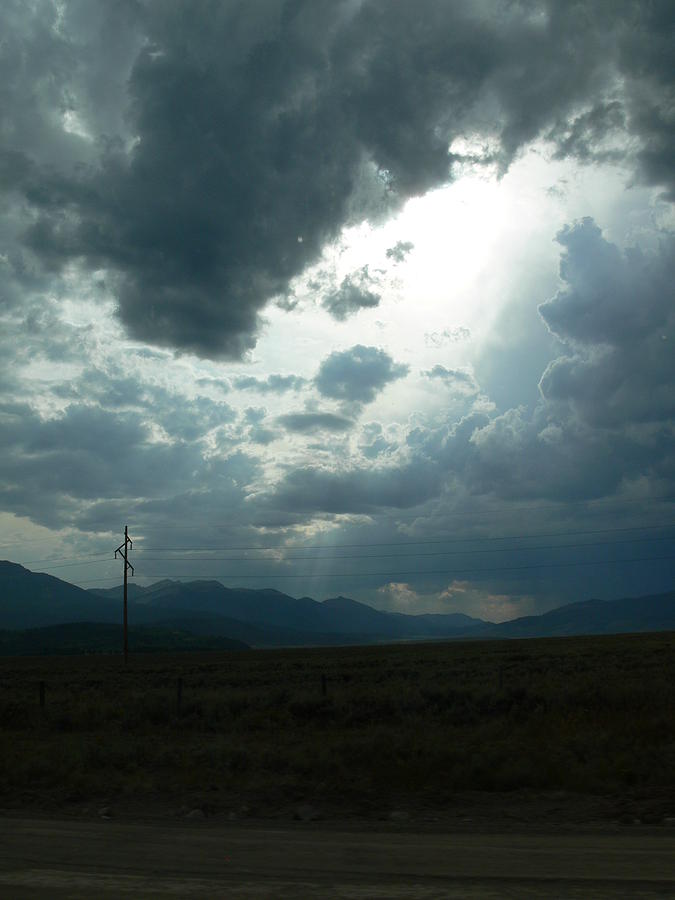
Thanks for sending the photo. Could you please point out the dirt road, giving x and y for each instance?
(65, 858)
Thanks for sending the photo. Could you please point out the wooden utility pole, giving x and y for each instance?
(123, 552)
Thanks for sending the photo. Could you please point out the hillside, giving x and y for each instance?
(263, 618)
(270, 618)
(32, 600)
(655, 612)
(301, 619)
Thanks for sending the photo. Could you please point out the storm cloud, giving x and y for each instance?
(359, 490)
(273, 384)
(424, 251)
(605, 419)
(355, 293)
(400, 251)
(460, 381)
(616, 312)
(53, 468)
(201, 157)
(607, 409)
(304, 422)
(357, 374)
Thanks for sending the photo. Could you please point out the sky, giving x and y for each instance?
(341, 297)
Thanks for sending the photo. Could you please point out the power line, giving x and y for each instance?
(86, 556)
(102, 578)
(562, 565)
(48, 540)
(449, 540)
(396, 555)
(501, 508)
(71, 565)
(94, 558)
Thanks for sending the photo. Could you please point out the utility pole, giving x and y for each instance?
(123, 552)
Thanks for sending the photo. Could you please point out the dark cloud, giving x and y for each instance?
(181, 417)
(605, 420)
(52, 468)
(374, 443)
(638, 105)
(309, 422)
(273, 384)
(460, 381)
(609, 297)
(616, 312)
(400, 251)
(355, 293)
(186, 161)
(646, 64)
(219, 384)
(192, 506)
(584, 137)
(63, 72)
(254, 415)
(606, 415)
(36, 331)
(262, 436)
(514, 457)
(204, 158)
(358, 374)
(91, 469)
(359, 490)
(190, 420)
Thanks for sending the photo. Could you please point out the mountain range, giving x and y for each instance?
(207, 610)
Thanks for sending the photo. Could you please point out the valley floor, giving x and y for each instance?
(537, 733)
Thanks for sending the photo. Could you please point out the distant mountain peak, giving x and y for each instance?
(29, 599)
(341, 601)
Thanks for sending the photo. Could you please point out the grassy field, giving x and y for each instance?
(399, 724)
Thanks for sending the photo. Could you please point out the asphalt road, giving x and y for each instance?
(78, 859)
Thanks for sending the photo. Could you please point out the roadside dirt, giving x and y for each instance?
(467, 811)
(202, 858)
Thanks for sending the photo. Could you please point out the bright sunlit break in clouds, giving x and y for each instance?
(361, 298)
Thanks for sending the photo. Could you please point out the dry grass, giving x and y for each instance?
(421, 721)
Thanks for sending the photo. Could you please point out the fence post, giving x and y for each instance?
(179, 694)
(324, 686)
(42, 695)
